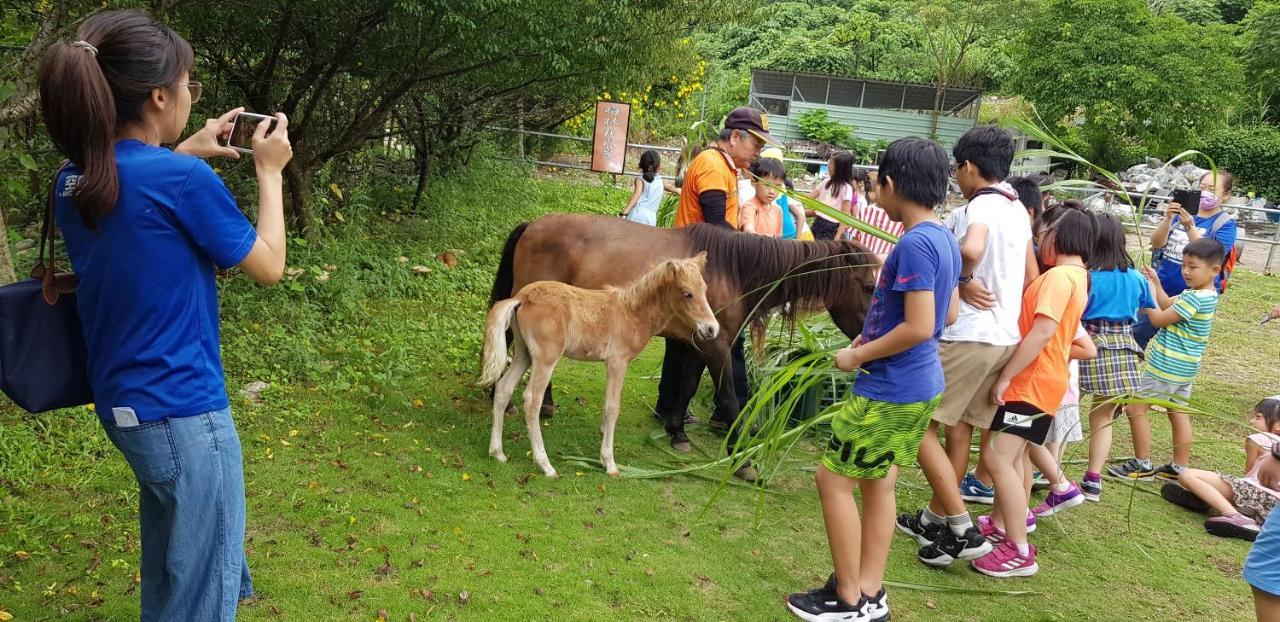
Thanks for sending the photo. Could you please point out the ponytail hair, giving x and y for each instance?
(92, 89)
(650, 161)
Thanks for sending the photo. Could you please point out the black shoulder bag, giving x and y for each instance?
(42, 351)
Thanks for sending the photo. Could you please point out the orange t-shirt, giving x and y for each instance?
(1059, 294)
(767, 217)
(710, 170)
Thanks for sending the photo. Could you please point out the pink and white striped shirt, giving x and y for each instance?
(876, 217)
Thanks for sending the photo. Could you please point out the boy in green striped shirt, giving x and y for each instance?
(1173, 358)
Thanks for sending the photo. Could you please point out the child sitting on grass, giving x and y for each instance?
(881, 425)
(1173, 359)
(1241, 502)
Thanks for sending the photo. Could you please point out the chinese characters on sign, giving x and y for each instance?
(609, 148)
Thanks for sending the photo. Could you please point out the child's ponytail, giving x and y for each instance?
(96, 86)
(80, 113)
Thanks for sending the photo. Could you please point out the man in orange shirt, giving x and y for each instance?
(710, 190)
(710, 195)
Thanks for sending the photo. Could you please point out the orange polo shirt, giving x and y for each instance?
(710, 170)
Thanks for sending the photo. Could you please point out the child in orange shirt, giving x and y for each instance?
(1030, 389)
(760, 214)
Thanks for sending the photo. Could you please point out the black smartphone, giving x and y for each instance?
(1188, 199)
(243, 128)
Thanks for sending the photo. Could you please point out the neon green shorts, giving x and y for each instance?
(868, 436)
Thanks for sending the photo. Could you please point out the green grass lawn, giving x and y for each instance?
(371, 491)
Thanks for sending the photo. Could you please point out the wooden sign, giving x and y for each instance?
(609, 142)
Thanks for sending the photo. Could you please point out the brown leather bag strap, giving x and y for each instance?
(50, 285)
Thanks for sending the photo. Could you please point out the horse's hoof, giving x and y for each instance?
(547, 412)
(550, 473)
(614, 473)
(747, 473)
(499, 456)
(681, 446)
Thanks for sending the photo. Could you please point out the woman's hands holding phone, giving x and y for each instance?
(271, 152)
(208, 142)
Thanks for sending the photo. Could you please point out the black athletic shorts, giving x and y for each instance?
(1022, 420)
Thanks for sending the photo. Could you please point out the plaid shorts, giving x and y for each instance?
(1252, 501)
(1114, 373)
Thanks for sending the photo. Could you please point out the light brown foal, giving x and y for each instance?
(611, 325)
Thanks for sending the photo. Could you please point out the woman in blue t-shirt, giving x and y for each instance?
(146, 227)
(1179, 227)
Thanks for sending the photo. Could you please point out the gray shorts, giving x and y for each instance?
(1151, 387)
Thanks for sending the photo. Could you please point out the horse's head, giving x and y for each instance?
(849, 309)
(686, 293)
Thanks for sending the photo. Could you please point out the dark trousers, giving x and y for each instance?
(682, 368)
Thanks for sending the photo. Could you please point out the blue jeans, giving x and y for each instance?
(192, 512)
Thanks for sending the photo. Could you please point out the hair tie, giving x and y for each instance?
(86, 45)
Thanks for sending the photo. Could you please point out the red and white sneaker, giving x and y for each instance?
(1005, 561)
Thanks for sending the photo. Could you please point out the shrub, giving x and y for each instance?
(816, 125)
(1252, 153)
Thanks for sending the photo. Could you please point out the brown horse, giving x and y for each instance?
(747, 275)
(612, 325)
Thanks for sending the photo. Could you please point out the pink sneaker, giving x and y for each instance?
(985, 519)
(1005, 561)
(988, 529)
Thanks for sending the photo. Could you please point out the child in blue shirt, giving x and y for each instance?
(1117, 293)
(882, 424)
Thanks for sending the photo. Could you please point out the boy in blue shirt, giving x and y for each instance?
(883, 422)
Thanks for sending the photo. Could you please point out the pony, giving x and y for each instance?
(612, 325)
(747, 276)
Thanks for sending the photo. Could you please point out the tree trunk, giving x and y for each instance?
(937, 109)
(7, 273)
(299, 177)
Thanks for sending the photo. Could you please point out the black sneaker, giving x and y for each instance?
(1169, 472)
(913, 525)
(1177, 495)
(824, 605)
(876, 608)
(951, 547)
(1132, 469)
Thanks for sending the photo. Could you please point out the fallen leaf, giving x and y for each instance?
(355, 595)
(382, 615)
(421, 270)
(22, 555)
(293, 433)
(402, 259)
(466, 477)
(5, 616)
(447, 258)
(464, 597)
(351, 520)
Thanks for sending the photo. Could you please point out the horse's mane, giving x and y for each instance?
(808, 275)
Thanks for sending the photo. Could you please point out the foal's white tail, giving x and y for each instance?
(494, 359)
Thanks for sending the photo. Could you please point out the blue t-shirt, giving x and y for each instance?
(1116, 295)
(788, 221)
(1170, 269)
(926, 258)
(147, 296)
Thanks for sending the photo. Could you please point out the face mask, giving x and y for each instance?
(1208, 202)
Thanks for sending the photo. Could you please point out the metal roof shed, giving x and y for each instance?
(877, 109)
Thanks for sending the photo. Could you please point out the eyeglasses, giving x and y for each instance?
(196, 88)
